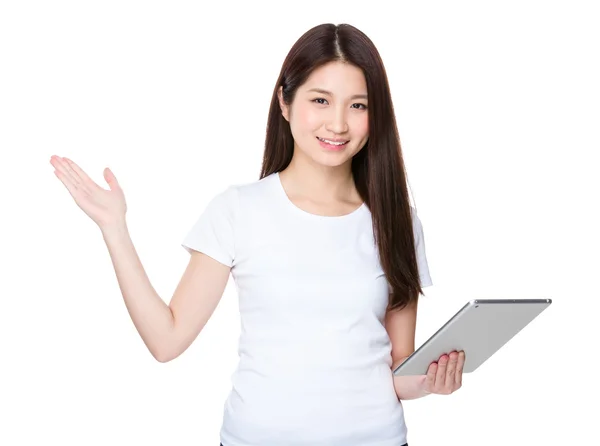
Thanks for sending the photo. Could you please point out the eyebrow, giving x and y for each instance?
(320, 90)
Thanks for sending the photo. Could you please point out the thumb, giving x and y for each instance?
(110, 178)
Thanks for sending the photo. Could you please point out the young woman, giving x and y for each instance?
(326, 252)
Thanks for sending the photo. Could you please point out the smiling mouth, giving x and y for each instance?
(333, 143)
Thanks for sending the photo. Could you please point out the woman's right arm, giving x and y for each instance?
(167, 330)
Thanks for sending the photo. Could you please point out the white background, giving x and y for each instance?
(497, 105)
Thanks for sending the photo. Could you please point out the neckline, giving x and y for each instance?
(290, 204)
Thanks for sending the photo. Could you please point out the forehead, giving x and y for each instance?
(341, 79)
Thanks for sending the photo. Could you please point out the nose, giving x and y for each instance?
(338, 123)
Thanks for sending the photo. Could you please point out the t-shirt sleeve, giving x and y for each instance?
(420, 249)
(214, 232)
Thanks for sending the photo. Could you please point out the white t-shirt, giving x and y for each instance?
(315, 357)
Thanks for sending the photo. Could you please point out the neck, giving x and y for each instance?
(321, 184)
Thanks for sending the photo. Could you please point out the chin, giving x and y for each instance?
(331, 160)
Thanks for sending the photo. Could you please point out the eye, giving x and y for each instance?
(364, 107)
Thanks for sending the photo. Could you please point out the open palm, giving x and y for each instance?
(104, 207)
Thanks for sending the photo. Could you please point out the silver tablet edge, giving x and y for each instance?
(515, 301)
(464, 308)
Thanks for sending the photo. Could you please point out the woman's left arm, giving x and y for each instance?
(443, 378)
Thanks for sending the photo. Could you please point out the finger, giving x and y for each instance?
(451, 371)
(79, 181)
(430, 380)
(60, 165)
(111, 179)
(459, 367)
(79, 173)
(440, 377)
(451, 385)
(68, 183)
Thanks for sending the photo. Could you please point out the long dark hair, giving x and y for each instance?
(378, 168)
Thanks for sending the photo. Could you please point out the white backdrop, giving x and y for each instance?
(497, 105)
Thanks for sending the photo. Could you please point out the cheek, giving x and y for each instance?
(305, 118)
(361, 126)
(308, 119)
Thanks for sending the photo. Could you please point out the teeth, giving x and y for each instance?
(333, 143)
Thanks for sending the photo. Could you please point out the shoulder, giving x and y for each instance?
(235, 196)
(417, 226)
(253, 193)
(416, 221)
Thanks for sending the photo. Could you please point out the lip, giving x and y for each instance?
(334, 139)
(334, 148)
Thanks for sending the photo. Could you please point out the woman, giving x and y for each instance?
(326, 252)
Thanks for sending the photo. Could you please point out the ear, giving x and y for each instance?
(284, 108)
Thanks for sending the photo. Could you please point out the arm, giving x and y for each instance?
(401, 326)
(409, 387)
(167, 330)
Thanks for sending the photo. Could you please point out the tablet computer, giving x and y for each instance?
(479, 328)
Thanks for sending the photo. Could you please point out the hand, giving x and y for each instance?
(104, 207)
(445, 376)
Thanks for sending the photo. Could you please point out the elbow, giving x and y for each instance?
(166, 349)
(163, 354)
(173, 345)
(162, 358)
(167, 354)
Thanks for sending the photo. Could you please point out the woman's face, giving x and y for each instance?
(338, 111)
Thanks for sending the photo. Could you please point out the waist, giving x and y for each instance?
(317, 390)
(304, 418)
(324, 354)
